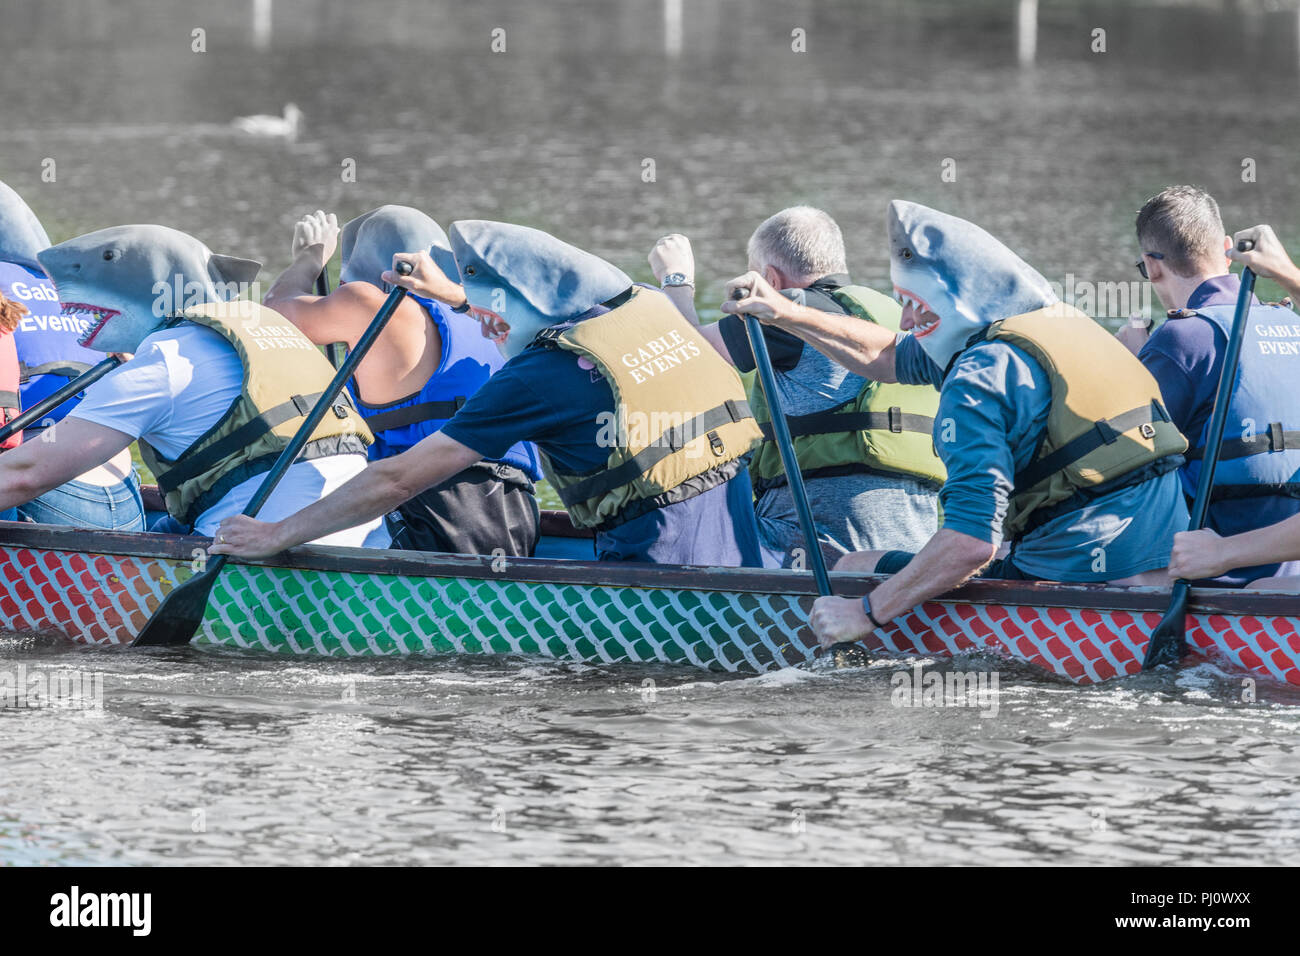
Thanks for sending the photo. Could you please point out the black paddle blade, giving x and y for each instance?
(1168, 641)
(181, 611)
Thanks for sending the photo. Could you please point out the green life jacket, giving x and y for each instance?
(284, 376)
(680, 423)
(1106, 427)
(885, 429)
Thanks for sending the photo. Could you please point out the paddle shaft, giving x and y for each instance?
(1168, 640)
(177, 618)
(335, 351)
(55, 399)
(781, 431)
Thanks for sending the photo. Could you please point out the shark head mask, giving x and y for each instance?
(368, 243)
(21, 233)
(528, 278)
(957, 271)
(130, 279)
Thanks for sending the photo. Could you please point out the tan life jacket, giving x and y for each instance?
(284, 376)
(680, 422)
(1106, 419)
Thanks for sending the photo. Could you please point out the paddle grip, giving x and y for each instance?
(1246, 245)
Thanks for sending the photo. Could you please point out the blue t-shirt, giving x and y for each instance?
(545, 395)
(1185, 356)
(992, 417)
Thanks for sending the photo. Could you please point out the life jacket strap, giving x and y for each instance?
(1103, 432)
(413, 414)
(666, 444)
(1281, 489)
(68, 370)
(8, 399)
(194, 465)
(1274, 439)
(831, 422)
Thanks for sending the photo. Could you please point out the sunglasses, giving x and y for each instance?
(1141, 264)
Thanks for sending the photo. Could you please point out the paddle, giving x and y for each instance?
(178, 617)
(55, 399)
(1168, 641)
(336, 352)
(784, 444)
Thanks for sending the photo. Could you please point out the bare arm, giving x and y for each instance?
(341, 316)
(1268, 258)
(314, 238)
(1203, 554)
(947, 560)
(376, 491)
(864, 348)
(73, 447)
(673, 254)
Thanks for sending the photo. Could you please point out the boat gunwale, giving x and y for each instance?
(567, 571)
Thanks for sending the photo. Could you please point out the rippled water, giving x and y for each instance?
(212, 757)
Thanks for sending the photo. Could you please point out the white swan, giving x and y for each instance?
(283, 127)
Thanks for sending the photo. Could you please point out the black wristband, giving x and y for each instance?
(462, 308)
(866, 606)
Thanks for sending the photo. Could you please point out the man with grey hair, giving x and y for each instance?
(864, 448)
(1257, 482)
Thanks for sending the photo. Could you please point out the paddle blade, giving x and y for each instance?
(180, 613)
(1168, 641)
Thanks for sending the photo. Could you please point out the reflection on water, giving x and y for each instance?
(218, 758)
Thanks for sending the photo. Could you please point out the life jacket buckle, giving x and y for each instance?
(340, 410)
(896, 420)
(716, 443)
(1147, 430)
(1276, 437)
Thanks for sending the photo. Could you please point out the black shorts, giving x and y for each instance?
(891, 562)
(487, 506)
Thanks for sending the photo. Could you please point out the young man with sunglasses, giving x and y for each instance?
(1185, 256)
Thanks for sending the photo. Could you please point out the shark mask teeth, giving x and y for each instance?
(100, 313)
(918, 306)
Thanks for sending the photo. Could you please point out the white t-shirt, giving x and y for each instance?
(180, 383)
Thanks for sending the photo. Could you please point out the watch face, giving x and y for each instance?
(676, 278)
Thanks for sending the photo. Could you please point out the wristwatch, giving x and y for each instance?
(676, 279)
(866, 606)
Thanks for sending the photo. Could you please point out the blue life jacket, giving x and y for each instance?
(1260, 454)
(468, 360)
(48, 354)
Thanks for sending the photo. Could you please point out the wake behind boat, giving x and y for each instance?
(99, 588)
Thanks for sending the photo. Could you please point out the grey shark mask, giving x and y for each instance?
(959, 272)
(368, 243)
(529, 278)
(21, 234)
(130, 279)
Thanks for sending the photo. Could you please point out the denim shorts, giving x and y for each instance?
(80, 505)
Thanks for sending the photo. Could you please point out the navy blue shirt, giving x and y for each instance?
(1185, 356)
(561, 402)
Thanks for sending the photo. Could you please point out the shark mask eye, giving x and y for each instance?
(110, 255)
(470, 270)
(906, 253)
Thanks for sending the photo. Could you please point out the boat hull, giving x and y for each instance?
(100, 588)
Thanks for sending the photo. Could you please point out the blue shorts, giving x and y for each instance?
(80, 505)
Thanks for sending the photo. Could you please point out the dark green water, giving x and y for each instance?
(217, 758)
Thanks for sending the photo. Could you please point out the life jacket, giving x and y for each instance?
(680, 423)
(284, 376)
(1260, 453)
(885, 429)
(9, 400)
(49, 355)
(1106, 427)
(468, 360)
